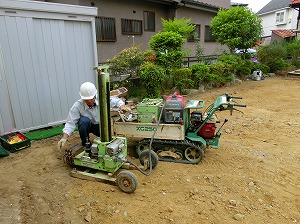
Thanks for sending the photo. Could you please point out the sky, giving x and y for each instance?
(255, 5)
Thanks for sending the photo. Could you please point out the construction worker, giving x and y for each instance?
(84, 113)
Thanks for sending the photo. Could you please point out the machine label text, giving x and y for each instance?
(87, 165)
(139, 128)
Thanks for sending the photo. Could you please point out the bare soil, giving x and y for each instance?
(252, 178)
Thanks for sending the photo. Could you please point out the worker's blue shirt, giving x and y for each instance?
(80, 109)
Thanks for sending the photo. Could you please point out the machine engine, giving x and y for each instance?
(115, 147)
(208, 129)
(112, 149)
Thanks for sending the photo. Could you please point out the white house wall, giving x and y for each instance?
(269, 21)
(43, 61)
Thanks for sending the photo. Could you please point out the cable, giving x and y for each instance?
(150, 146)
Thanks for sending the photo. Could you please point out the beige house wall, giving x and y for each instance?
(133, 9)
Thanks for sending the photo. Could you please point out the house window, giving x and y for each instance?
(105, 29)
(195, 35)
(131, 26)
(280, 17)
(208, 37)
(149, 21)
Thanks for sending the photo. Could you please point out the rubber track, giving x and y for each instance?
(158, 144)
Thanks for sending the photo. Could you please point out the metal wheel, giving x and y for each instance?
(144, 157)
(194, 154)
(179, 154)
(176, 155)
(142, 147)
(127, 181)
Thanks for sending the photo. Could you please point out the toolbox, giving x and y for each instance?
(15, 141)
(148, 110)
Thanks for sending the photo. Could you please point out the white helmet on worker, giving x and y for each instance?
(87, 91)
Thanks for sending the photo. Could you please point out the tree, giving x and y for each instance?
(168, 44)
(168, 49)
(183, 26)
(237, 27)
(127, 61)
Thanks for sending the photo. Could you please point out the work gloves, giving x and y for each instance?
(61, 142)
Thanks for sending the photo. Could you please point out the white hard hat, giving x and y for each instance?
(87, 91)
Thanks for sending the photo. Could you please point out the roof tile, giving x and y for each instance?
(284, 33)
(293, 2)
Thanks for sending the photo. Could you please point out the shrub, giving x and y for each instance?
(293, 50)
(245, 68)
(215, 74)
(149, 56)
(182, 79)
(135, 89)
(243, 71)
(222, 70)
(151, 77)
(127, 61)
(273, 55)
(264, 68)
(199, 73)
(232, 61)
(212, 80)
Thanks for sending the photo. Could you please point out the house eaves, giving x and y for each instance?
(274, 5)
(199, 5)
(189, 4)
(166, 2)
(238, 4)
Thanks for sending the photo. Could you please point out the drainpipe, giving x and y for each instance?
(298, 18)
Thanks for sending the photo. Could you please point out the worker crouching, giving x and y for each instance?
(84, 114)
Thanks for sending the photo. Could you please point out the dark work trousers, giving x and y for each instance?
(85, 127)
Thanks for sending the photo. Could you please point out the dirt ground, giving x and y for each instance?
(252, 178)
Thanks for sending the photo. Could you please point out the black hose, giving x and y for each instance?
(150, 146)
